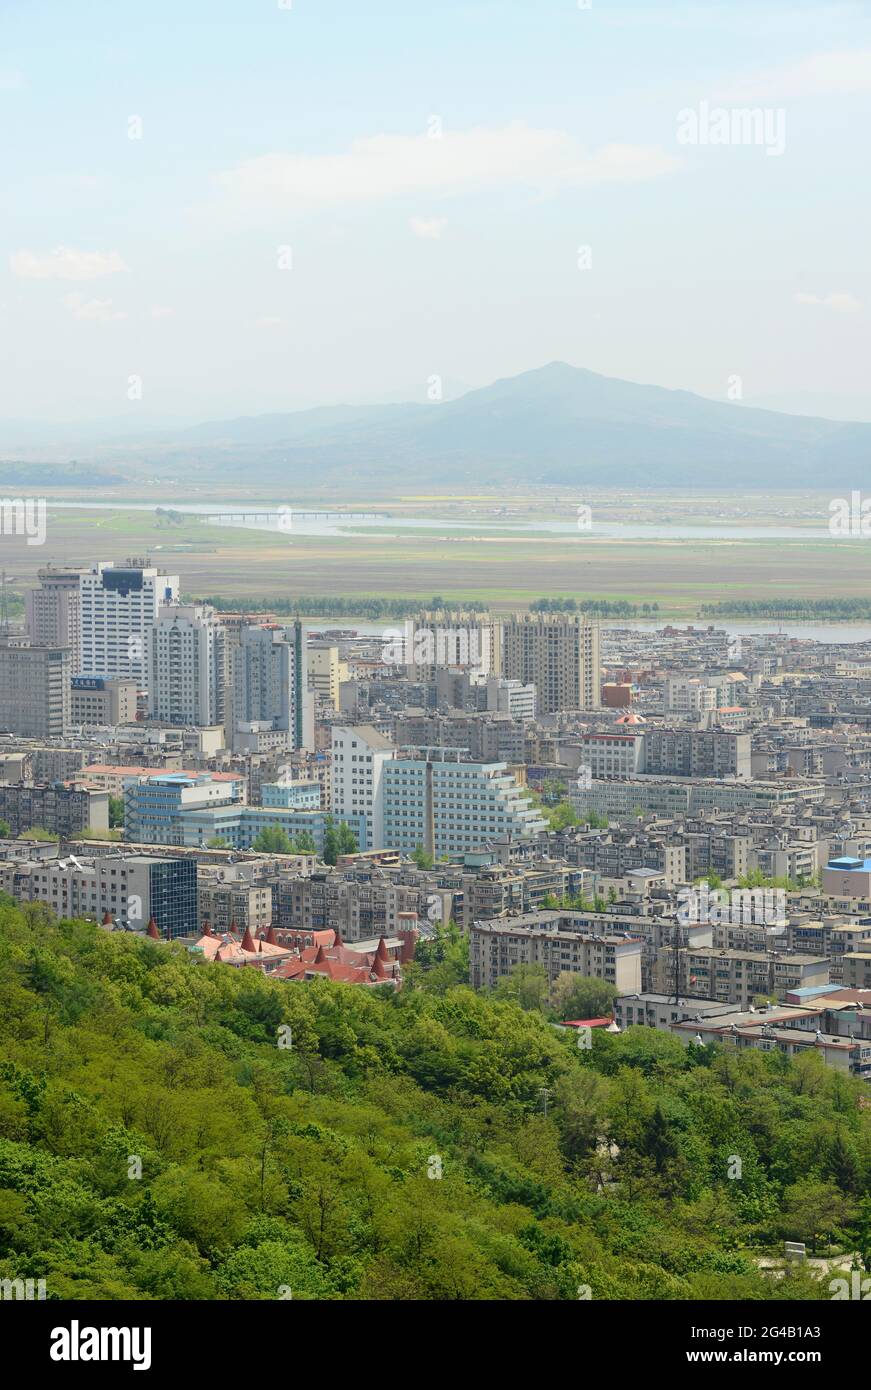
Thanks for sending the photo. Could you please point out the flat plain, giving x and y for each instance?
(497, 565)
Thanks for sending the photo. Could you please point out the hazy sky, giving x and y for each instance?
(338, 199)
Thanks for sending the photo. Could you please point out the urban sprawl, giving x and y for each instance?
(683, 814)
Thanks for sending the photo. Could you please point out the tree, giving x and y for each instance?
(422, 858)
(347, 842)
(304, 843)
(441, 961)
(526, 985)
(5, 830)
(217, 842)
(813, 1210)
(272, 840)
(116, 812)
(562, 815)
(38, 832)
(331, 841)
(579, 996)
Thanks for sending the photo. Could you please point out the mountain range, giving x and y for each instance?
(553, 426)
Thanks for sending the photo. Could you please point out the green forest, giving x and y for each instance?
(171, 1129)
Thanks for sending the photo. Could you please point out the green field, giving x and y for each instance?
(498, 567)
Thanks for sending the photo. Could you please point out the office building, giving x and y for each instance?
(449, 806)
(359, 756)
(97, 700)
(119, 607)
(34, 689)
(131, 889)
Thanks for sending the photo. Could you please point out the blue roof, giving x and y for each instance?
(812, 990)
(850, 865)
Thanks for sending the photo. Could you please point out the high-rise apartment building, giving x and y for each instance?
(443, 639)
(119, 607)
(53, 611)
(559, 654)
(269, 682)
(325, 672)
(187, 666)
(34, 689)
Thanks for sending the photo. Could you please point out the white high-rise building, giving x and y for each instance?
(118, 609)
(187, 666)
(359, 755)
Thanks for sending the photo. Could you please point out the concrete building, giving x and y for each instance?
(445, 639)
(504, 696)
(449, 806)
(696, 753)
(269, 678)
(153, 804)
(227, 900)
(131, 888)
(558, 653)
(739, 976)
(34, 689)
(119, 607)
(99, 701)
(847, 877)
(612, 755)
(359, 756)
(325, 672)
(187, 666)
(53, 609)
(62, 810)
(547, 939)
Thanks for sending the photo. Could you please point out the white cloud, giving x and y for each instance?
(92, 310)
(428, 228)
(161, 311)
(386, 166)
(63, 263)
(841, 303)
(818, 74)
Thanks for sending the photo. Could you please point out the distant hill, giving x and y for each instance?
(556, 425)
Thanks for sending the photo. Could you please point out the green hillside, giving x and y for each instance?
(313, 1171)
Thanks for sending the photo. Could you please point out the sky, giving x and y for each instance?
(213, 208)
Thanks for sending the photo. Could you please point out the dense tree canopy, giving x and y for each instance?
(159, 1139)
